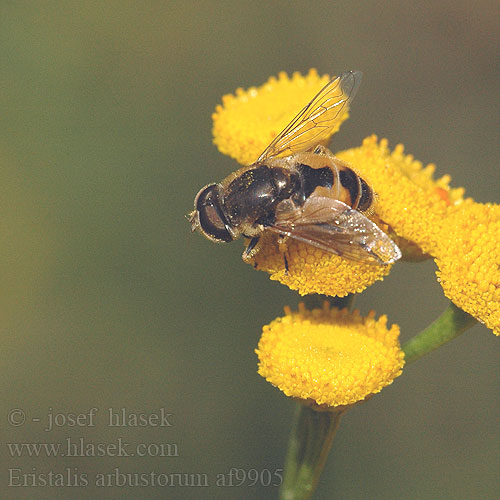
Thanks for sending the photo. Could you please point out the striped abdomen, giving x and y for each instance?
(335, 180)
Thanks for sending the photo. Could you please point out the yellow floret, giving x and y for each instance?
(468, 259)
(330, 356)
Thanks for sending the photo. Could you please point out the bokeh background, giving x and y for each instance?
(109, 301)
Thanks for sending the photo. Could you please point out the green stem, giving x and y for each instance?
(310, 442)
(452, 322)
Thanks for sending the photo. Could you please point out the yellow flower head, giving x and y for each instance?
(330, 356)
(468, 259)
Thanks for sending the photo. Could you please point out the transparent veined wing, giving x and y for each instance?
(335, 227)
(317, 119)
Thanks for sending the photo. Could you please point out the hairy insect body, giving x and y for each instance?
(298, 189)
(251, 196)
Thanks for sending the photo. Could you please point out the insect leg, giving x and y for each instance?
(283, 248)
(286, 263)
(250, 247)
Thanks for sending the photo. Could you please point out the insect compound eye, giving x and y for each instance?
(213, 223)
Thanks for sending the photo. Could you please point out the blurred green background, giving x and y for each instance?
(109, 301)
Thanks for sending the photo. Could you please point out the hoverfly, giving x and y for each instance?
(298, 189)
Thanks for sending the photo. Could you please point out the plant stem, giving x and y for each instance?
(452, 322)
(310, 442)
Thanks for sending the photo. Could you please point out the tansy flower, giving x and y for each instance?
(410, 203)
(328, 356)
(468, 259)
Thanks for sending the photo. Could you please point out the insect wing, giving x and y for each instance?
(317, 119)
(335, 227)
